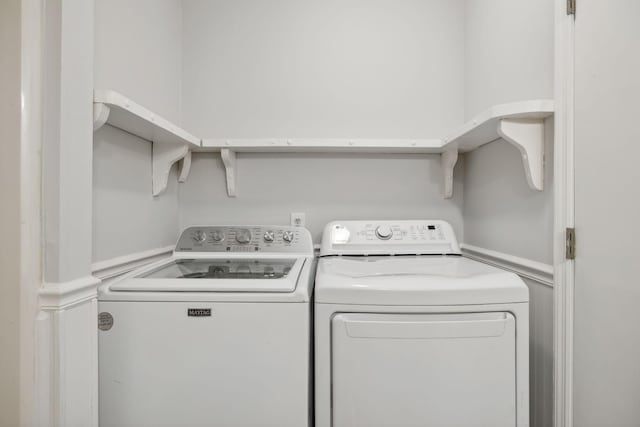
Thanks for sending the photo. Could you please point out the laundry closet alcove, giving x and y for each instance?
(410, 109)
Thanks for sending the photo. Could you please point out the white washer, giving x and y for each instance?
(410, 333)
(218, 335)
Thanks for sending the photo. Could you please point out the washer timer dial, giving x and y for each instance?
(287, 236)
(217, 235)
(243, 236)
(269, 236)
(200, 236)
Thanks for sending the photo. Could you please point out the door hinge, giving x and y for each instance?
(571, 7)
(570, 243)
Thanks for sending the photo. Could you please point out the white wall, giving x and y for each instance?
(501, 212)
(325, 187)
(362, 68)
(508, 52)
(357, 68)
(137, 53)
(10, 212)
(509, 57)
(126, 217)
(66, 134)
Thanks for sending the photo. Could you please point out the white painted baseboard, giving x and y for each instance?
(534, 270)
(123, 264)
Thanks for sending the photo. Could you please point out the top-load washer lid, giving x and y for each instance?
(415, 280)
(216, 275)
(247, 268)
(227, 259)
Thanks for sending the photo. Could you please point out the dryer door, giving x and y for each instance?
(424, 370)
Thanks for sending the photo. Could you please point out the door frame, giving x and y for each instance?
(564, 214)
(33, 392)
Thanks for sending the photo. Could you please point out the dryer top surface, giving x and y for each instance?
(415, 280)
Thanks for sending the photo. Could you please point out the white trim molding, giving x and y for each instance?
(30, 207)
(67, 363)
(534, 270)
(564, 215)
(58, 296)
(117, 266)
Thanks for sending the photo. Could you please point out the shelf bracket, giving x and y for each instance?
(229, 160)
(527, 135)
(164, 156)
(100, 114)
(448, 160)
(185, 167)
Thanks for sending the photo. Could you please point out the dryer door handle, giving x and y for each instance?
(429, 326)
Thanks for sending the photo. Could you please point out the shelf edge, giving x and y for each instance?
(486, 123)
(324, 145)
(113, 99)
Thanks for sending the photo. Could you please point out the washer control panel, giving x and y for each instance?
(245, 239)
(389, 238)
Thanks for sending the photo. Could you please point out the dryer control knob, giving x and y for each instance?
(384, 232)
(287, 236)
(243, 235)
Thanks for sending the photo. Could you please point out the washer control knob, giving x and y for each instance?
(243, 235)
(269, 236)
(200, 236)
(287, 236)
(384, 232)
(217, 235)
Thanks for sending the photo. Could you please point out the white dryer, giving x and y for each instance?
(410, 333)
(217, 335)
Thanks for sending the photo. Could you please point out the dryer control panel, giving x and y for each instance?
(245, 239)
(386, 237)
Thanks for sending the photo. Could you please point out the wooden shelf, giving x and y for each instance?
(519, 123)
(483, 128)
(229, 147)
(170, 142)
(281, 145)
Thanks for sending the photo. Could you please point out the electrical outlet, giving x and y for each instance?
(298, 219)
